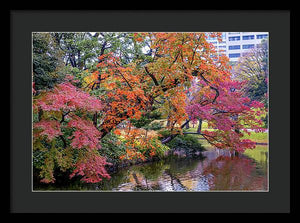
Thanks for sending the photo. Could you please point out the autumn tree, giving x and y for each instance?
(64, 134)
(231, 115)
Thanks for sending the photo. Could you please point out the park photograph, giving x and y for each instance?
(150, 112)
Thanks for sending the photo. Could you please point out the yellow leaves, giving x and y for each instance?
(90, 78)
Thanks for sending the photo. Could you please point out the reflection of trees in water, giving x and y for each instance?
(259, 155)
(261, 167)
(218, 171)
(157, 175)
(175, 181)
(153, 176)
(149, 175)
(183, 173)
(234, 173)
(261, 163)
(152, 171)
(182, 166)
(115, 180)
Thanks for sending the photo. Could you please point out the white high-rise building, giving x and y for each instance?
(221, 47)
(236, 44)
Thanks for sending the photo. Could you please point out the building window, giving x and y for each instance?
(234, 55)
(234, 47)
(248, 46)
(211, 38)
(248, 37)
(234, 38)
(263, 36)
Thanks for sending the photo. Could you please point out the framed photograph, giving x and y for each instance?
(144, 111)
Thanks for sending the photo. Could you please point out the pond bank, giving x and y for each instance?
(127, 163)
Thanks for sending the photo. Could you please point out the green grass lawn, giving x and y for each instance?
(260, 137)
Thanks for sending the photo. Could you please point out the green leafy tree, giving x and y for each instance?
(47, 60)
(253, 68)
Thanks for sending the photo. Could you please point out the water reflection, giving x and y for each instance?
(218, 170)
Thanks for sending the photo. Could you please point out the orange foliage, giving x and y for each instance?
(132, 88)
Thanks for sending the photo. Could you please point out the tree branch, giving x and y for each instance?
(211, 87)
(152, 76)
(170, 137)
(63, 116)
(64, 141)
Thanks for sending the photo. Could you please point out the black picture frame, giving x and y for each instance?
(24, 22)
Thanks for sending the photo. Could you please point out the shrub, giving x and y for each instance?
(163, 133)
(112, 147)
(160, 149)
(188, 143)
(155, 126)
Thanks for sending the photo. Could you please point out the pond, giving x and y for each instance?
(214, 170)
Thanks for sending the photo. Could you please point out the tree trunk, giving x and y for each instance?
(79, 60)
(170, 137)
(95, 116)
(199, 126)
(187, 125)
(236, 129)
(168, 121)
(40, 114)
